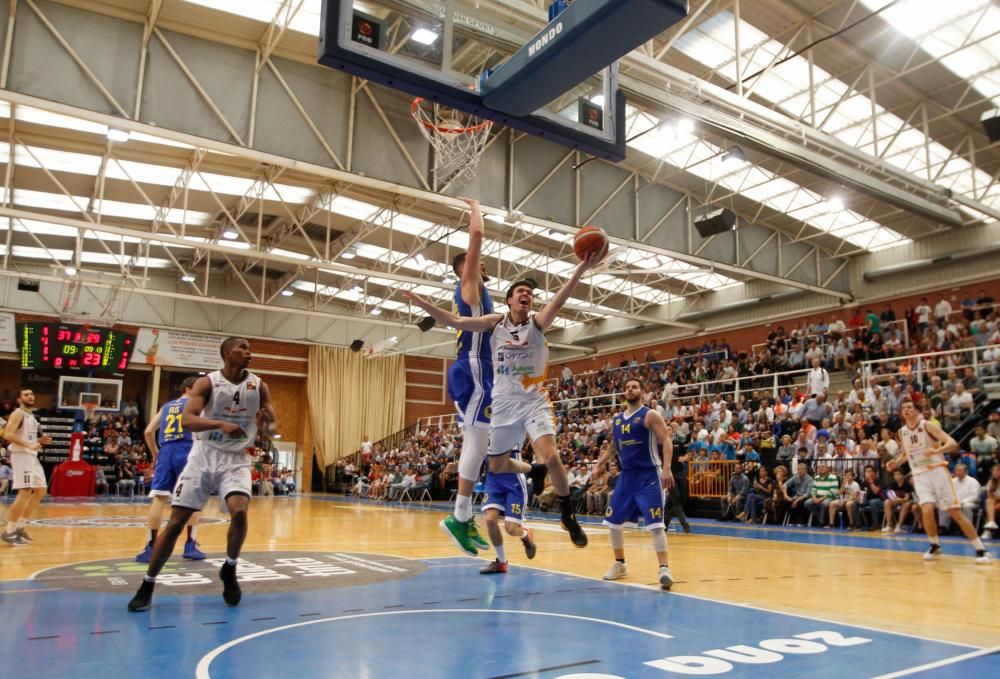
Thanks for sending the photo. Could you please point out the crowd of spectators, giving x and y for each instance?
(802, 452)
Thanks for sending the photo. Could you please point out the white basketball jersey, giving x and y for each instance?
(520, 358)
(28, 431)
(236, 403)
(916, 443)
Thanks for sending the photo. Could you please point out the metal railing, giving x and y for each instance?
(710, 478)
(697, 357)
(822, 338)
(920, 365)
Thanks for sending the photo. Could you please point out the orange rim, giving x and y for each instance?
(415, 107)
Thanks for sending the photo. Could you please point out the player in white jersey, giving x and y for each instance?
(924, 445)
(225, 410)
(21, 431)
(520, 364)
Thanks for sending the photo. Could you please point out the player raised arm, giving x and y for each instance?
(193, 420)
(10, 432)
(149, 433)
(472, 324)
(654, 422)
(472, 278)
(544, 318)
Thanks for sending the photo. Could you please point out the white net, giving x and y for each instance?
(458, 139)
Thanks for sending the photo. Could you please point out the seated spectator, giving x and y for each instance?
(126, 477)
(6, 476)
(968, 490)
(100, 481)
(899, 495)
(850, 495)
(874, 501)
(992, 502)
(777, 505)
(739, 486)
(762, 489)
(825, 488)
(597, 492)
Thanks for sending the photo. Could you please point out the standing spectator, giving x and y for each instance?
(825, 488)
(888, 315)
(985, 303)
(366, 449)
(819, 379)
(923, 314)
(942, 310)
(873, 322)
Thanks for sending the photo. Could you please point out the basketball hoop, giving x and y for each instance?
(458, 138)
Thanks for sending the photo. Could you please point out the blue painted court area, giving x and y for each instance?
(354, 615)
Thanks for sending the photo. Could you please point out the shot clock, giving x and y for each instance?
(54, 346)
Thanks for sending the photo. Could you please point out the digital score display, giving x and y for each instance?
(53, 346)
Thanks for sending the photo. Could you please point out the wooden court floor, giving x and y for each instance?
(808, 573)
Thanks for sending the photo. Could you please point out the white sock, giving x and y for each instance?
(978, 544)
(194, 531)
(501, 553)
(230, 562)
(149, 535)
(463, 508)
(149, 578)
(935, 541)
(19, 524)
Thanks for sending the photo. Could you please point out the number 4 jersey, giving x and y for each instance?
(236, 403)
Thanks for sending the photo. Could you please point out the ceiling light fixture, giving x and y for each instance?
(424, 36)
(118, 135)
(287, 293)
(230, 234)
(188, 278)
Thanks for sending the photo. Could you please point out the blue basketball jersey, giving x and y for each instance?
(474, 345)
(637, 446)
(171, 425)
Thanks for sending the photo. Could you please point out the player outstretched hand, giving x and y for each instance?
(592, 260)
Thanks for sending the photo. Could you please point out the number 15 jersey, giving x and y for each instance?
(236, 403)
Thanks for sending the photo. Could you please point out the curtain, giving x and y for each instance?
(350, 396)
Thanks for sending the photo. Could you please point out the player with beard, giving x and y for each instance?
(645, 445)
(520, 401)
(225, 410)
(21, 431)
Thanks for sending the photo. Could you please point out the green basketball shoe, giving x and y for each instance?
(458, 531)
(476, 538)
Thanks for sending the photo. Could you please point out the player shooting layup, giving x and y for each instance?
(225, 410)
(520, 402)
(925, 445)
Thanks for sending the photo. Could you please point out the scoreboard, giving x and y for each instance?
(54, 346)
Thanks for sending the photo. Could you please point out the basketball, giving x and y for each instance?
(590, 239)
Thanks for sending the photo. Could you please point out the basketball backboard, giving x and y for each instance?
(441, 50)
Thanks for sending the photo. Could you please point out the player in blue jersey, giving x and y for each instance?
(170, 445)
(644, 443)
(506, 496)
(470, 385)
